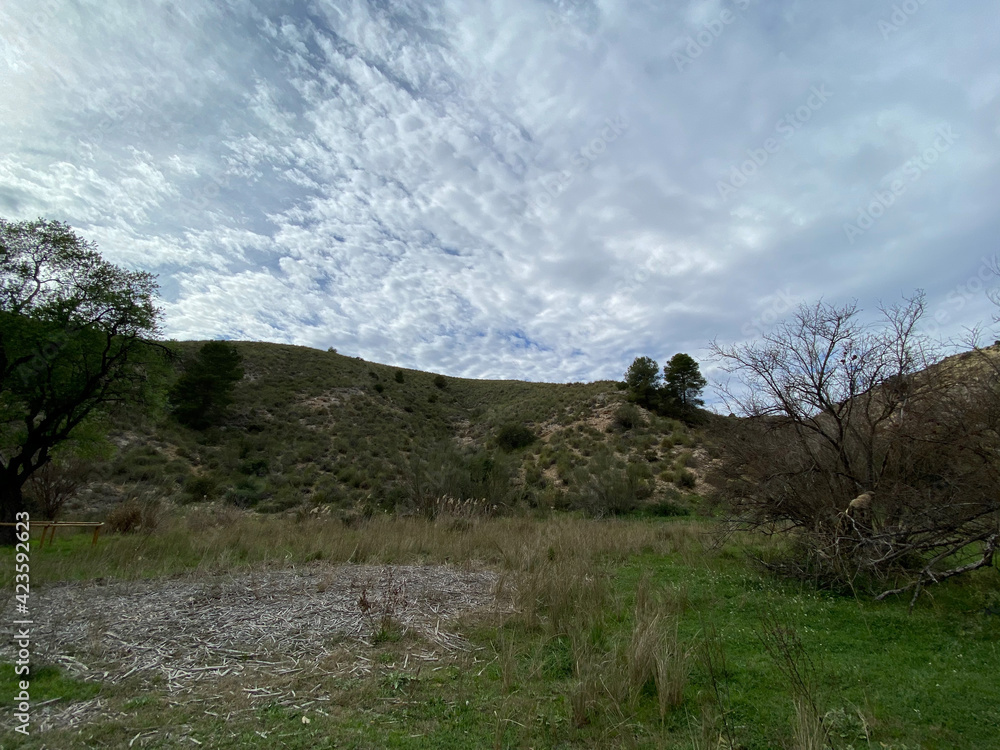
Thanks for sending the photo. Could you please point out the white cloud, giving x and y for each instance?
(433, 184)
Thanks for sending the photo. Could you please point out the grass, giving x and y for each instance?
(314, 427)
(632, 633)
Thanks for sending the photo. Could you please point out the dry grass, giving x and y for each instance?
(222, 539)
(808, 732)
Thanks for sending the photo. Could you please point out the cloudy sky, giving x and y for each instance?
(533, 189)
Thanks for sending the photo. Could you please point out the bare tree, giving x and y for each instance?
(50, 487)
(881, 463)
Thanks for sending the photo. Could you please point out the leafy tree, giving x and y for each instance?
(202, 394)
(683, 382)
(642, 379)
(76, 339)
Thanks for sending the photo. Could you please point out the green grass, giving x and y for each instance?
(47, 683)
(553, 674)
(314, 427)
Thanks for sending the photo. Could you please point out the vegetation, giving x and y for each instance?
(204, 390)
(643, 381)
(511, 437)
(683, 382)
(620, 611)
(883, 468)
(75, 335)
(310, 428)
(675, 393)
(605, 633)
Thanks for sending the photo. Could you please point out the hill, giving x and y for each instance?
(318, 429)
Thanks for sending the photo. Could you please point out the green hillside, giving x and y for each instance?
(311, 428)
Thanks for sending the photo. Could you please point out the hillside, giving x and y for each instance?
(319, 429)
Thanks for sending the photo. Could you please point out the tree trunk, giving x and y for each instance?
(11, 503)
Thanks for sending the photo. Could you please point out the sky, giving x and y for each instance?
(527, 189)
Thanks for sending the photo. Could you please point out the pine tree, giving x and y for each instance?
(202, 394)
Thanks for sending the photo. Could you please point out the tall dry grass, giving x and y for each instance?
(217, 539)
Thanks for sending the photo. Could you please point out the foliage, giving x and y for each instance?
(643, 381)
(683, 382)
(627, 417)
(440, 381)
(75, 336)
(675, 392)
(204, 391)
(514, 436)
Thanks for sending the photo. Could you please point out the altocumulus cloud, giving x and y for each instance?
(510, 189)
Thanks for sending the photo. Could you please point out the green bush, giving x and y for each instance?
(685, 479)
(628, 417)
(201, 487)
(440, 381)
(399, 376)
(257, 467)
(514, 436)
(246, 494)
(665, 508)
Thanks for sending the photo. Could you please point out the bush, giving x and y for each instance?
(514, 436)
(201, 487)
(685, 479)
(399, 376)
(665, 508)
(628, 417)
(133, 515)
(440, 381)
(258, 467)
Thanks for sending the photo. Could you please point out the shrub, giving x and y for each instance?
(665, 508)
(685, 479)
(440, 381)
(399, 376)
(133, 515)
(628, 417)
(513, 436)
(201, 487)
(257, 467)
(379, 388)
(245, 494)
